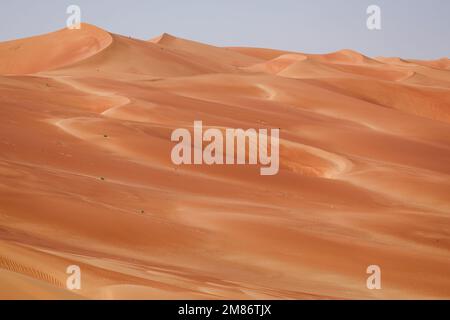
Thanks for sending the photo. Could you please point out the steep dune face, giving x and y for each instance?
(219, 59)
(344, 57)
(343, 64)
(131, 57)
(443, 63)
(86, 177)
(51, 51)
(280, 63)
(260, 53)
(165, 56)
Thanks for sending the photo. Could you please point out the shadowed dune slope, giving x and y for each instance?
(220, 59)
(86, 176)
(53, 50)
(260, 53)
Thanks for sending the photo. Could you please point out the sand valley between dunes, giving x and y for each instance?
(86, 176)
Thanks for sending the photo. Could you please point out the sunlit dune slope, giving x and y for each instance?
(53, 50)
(443, 63)
(219, 59)
(260, 53)
(86, 177)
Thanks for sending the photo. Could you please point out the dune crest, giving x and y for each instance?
(220, 59)
(86, 176)
(50, 51)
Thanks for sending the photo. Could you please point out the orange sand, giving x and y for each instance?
(364, 172)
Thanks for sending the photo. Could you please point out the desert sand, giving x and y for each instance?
(86, 177)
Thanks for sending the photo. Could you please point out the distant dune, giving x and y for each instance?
(86, 177)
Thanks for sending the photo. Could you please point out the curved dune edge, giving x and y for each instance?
(86, 177)
(36, 54)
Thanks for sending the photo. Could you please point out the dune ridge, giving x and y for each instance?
(86, 177)
(51, 51)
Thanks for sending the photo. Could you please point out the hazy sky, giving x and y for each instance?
(410, 28)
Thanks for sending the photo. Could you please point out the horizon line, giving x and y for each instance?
(220, 46)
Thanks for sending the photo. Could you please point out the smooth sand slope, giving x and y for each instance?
(86, 177)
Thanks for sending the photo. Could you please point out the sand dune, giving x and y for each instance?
(443, 63)
(260, 53)
(219, 59)
(86, 177)
(51, 51)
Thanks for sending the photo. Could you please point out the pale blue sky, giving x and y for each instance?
(410, 28)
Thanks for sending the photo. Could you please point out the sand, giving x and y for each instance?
(86, 177)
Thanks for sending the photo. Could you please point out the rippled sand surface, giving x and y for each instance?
(86, 177)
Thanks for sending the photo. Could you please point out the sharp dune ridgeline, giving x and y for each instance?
(86, 176)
